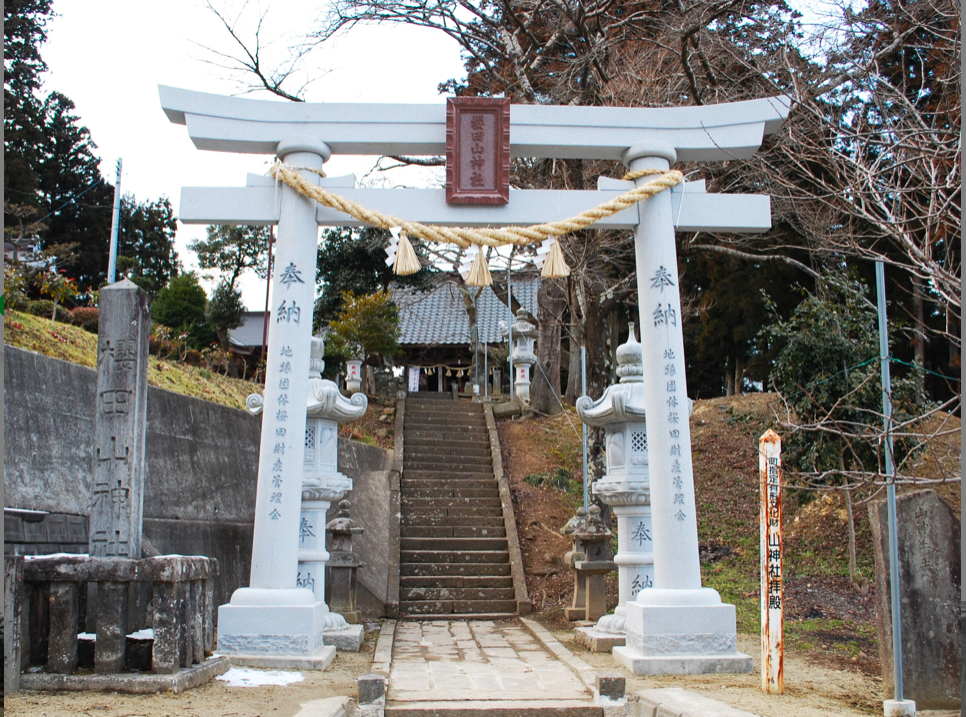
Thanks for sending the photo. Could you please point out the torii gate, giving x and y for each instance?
(677, 626)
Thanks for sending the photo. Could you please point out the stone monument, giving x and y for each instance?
(625, 487)
(930, 589)
(677, 626)
(117, 493)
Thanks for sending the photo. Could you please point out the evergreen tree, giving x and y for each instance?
(233, 250)
(181, 306)
(145, 243)
(224, 311)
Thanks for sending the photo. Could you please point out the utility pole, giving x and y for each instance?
(115, 223)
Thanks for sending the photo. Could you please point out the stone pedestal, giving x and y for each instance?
(353, 375)
(275, 628)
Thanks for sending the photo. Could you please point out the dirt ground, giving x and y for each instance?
(811, 690)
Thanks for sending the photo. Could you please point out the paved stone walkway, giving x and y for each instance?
(457, 660)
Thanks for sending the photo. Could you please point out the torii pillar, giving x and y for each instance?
(272, 623)
(677, 626)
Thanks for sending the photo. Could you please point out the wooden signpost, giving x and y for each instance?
(772, 579)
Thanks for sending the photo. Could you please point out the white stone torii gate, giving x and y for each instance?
(677, 626)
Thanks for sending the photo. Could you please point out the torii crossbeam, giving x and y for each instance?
(677, 626)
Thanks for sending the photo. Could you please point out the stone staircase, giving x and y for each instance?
(454, 558)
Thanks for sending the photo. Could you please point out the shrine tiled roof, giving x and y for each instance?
(438, 316)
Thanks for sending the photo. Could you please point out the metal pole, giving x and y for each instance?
(583, 392)
(509, 326)
(486, 370)
(891, 487)
(115, 223)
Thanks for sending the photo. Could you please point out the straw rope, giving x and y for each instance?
(493, 237)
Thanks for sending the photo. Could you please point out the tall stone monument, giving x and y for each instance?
(677, 626)
(117, 492)
(930, 589)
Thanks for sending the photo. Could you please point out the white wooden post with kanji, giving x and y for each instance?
(772, 577)
(677, 626)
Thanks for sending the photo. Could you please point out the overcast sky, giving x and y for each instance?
(109, 56)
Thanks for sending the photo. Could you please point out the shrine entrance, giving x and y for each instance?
(676, 626)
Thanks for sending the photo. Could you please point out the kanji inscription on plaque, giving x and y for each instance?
(477, 150)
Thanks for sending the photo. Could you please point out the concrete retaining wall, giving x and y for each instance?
(201, 469)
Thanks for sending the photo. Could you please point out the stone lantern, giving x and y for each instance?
(524, 336)
(343, 564)
(591, 560)
(353, 375)
(322, 483)
(625, 486)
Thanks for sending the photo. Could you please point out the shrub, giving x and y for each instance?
(87, 317)
(41, 307)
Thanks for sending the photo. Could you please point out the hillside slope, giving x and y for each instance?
(824, 614)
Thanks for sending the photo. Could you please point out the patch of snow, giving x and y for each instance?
(247, 677)
(56, 555)
(146, 634)
(86, 636)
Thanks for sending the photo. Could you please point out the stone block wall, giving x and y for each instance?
(201, 470)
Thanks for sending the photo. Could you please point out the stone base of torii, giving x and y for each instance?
(676, 626)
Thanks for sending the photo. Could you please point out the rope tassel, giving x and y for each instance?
(479, 273)
(556, 266)
(406, 260)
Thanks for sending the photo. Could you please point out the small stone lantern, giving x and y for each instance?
(524, 336)
(626, 485)
(343, 564)
(353, 375)
(591, 559)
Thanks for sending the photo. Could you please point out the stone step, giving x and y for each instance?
(428, 521)
(422, 438)
(431, 452)
(440, 593)
(446, 489)
(444, 607)
(495, 708)
(448, 570)
(475, 425)
(454, 556)
(434, 511)
(451, 504)
(450, 531)
(456, 581)
(446, 475)
(450, 464)
(458, 544)
(433, 410)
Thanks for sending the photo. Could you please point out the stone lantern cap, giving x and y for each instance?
(575, 523)
(522, 327)
(623, 401)
(323, 398)
(593, 527)
(342, 524)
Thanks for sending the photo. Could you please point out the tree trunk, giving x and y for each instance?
(545, 383)
(853, 566)
(739, 375)
(573, 374)
(919, 338)
(729, 377)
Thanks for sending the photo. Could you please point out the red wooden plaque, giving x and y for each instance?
(477, 150)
